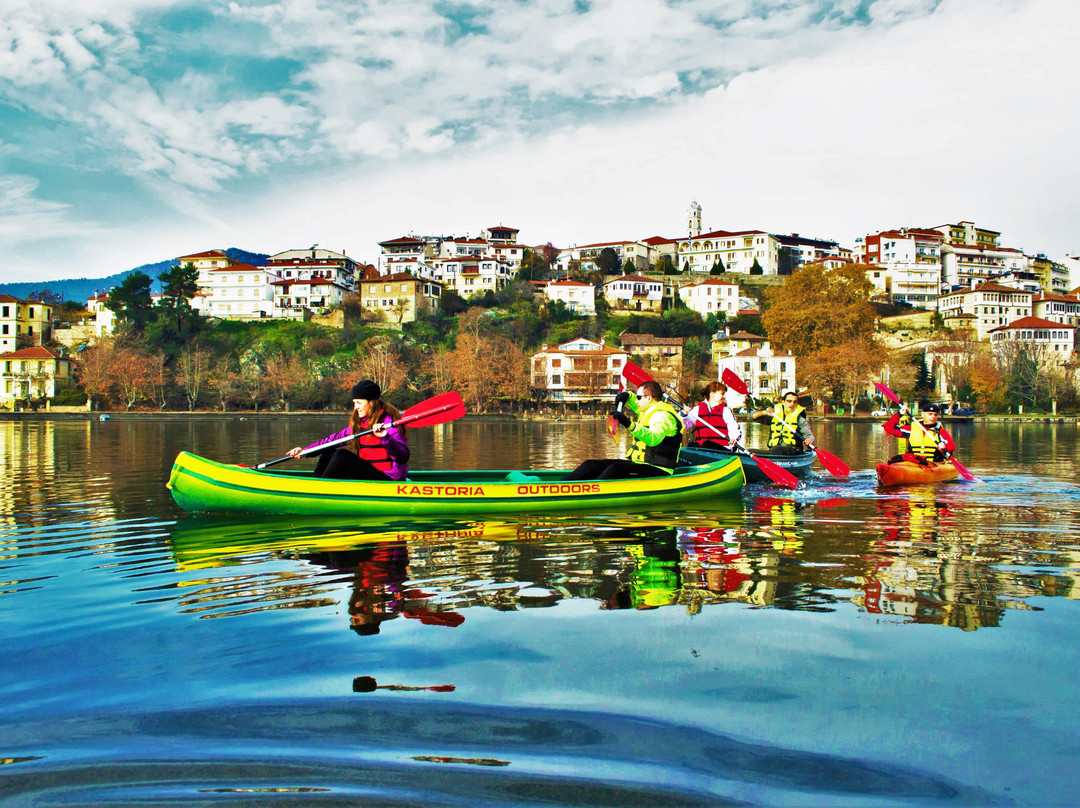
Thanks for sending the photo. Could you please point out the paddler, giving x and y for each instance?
(712, 422)
(923, 441)
(789, 431)
(656, 436)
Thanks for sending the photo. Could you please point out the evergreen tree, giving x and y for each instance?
(717, 267)
(131, 301)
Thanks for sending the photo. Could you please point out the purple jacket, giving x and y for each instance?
(394, 442)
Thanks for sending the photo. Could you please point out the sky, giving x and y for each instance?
(134, 131)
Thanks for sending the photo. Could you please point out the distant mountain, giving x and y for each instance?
(82, 288)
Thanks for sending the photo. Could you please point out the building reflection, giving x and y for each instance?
(928, 567)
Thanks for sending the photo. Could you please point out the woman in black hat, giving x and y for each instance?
(381, 454)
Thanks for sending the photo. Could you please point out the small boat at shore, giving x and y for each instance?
(201, 485)
(798, 465)
(908, 473)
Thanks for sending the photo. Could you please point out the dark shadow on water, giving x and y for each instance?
(412, 752)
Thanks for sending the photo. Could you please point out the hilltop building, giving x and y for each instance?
(23, 323)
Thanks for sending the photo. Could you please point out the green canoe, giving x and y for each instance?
(198, 484)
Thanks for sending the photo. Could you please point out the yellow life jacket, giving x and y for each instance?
(901, 423)
(779, 435)
(666, 453)
(924, 439)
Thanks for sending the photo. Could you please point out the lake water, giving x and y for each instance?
(834, 645)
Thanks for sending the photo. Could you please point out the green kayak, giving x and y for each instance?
(198, 485)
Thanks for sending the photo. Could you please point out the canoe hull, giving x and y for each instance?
(799, 465)
(201, 485)
(906, 473)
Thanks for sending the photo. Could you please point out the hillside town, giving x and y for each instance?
(958, 279)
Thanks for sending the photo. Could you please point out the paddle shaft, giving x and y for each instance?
(402, 421)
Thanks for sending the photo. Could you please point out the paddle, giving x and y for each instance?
(437, 410)
(835, 466)
(886, 391)
(637, 376)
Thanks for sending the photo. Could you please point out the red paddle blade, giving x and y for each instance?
(636, 375)
(885, 391)
(775, 473)
(613, 428)
(835, 466)
(729, 378)
(437, 410)
(967, 475)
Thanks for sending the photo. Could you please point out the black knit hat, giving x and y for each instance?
(366, 389)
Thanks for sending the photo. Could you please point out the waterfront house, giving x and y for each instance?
(1049, 342)
(577, 371)
(32, 373)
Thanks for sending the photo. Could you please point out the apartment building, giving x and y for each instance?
(239, 292)
(1064, 309)
(402, 297)
(205, 262)
(905, 264)
(972, 255)
(311, 280)
(987, 306)
(802, 250)
(23, 323)
(1053, 342)
(737, 251)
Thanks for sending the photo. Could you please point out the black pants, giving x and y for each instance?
(604, 469)
(341, 464)
(786, 449)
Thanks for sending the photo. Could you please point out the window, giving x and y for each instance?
(556, 379)
(764, 366)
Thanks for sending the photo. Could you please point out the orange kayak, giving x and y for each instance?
(905, 473)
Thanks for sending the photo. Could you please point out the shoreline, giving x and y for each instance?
(242, 415)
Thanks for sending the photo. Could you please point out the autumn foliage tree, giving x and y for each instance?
(820, 308)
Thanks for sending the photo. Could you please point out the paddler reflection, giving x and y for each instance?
(784, 523)
(379, 587)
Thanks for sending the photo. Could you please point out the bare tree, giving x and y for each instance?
(192, 373)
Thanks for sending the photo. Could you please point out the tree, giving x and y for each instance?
(252, 380)
(176, 323)
(987, 384)
(285, 375)
(756, 268)
(819, 308)
(665, 265)
(380, 362)
(534, 266)
(717, 267)
(192, 370)
(224, 381)
(132, 374)
(93, 371)
(608, 262)
(843, 371)
(161, 378)
(131, 301)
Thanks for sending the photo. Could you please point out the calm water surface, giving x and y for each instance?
(835, 645)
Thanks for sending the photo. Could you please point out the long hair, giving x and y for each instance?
(379, 408)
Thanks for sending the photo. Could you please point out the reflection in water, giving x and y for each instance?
(768, 650)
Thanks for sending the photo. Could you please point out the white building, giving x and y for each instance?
(312, 279)
(1055, 342)
(635, 293)
(205, 262)
(24, 323)
(104, 320)
(803, 250)
(737, 251)
(32, 373)
(767, 374)
(470, 275)
(990, 304)
(240, 292)
(1057, 308)
(971, 255)
(905, 264)
(578, 297)
(712, 296)
(579, 370)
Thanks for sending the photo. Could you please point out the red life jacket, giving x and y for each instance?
(702, 433)
(372, 450)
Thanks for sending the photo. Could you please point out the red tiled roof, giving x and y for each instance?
(237, 268)
(1057, 298)
(31, 353)
(747, 336)
(207, 254)
(635, 278)
(1031, 322)
(565, 283)
(5, 298)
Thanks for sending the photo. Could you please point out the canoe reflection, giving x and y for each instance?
(431, 570)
